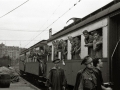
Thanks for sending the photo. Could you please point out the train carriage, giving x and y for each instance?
(69, 45)
(106, 21)
(32, 63)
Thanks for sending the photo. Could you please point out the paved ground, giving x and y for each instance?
(21, 85)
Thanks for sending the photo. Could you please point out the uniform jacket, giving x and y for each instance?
(85, 80)
(56, 79)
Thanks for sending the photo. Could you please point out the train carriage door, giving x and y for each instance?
(114, 50)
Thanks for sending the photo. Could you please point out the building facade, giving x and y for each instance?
(12, 52)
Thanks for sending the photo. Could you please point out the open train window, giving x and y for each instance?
(60, 49)
(76, 47)
(96, 50)
(64, 50)
(55, 54)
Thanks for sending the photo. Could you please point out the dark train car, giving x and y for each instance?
(33, 62)
(5, 61)
(106, 21)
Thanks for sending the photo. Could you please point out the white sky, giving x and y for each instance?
(27, 22)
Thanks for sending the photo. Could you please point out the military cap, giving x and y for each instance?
(86, 60)
(56, 61)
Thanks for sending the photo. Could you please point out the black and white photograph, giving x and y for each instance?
(59, 44)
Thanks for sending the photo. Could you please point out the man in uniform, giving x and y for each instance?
(86, 79)
(56, 77)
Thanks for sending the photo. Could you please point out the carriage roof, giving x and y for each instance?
(40, 43)
(102, 12)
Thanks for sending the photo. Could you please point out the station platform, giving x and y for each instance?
(21, 85)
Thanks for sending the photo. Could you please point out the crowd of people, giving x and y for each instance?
(89, 78)
(94, 42)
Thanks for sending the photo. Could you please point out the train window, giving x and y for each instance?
(25, 57)
(32, 55)
(55, 46)
(95, 51)
(60, 46)
(76, 47)
(64, 50)
(97, 43)
(22, 57)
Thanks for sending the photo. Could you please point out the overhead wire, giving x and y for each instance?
(30, 31)
(50, 17)
(18, 40)
(19, 30)
(54, 22)
(51, 14)
(46, 22)
(14, 9)
(24, 30)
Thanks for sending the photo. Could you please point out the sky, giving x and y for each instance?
(26, 22)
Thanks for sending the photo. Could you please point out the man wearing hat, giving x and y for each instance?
(86, 78)
(89, 42)
(56, 78)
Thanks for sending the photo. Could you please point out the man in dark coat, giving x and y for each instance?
(56, 78)
(98, 64)
(86, 79)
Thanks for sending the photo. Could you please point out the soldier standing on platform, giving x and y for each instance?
(56, 78)
(86, 78)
